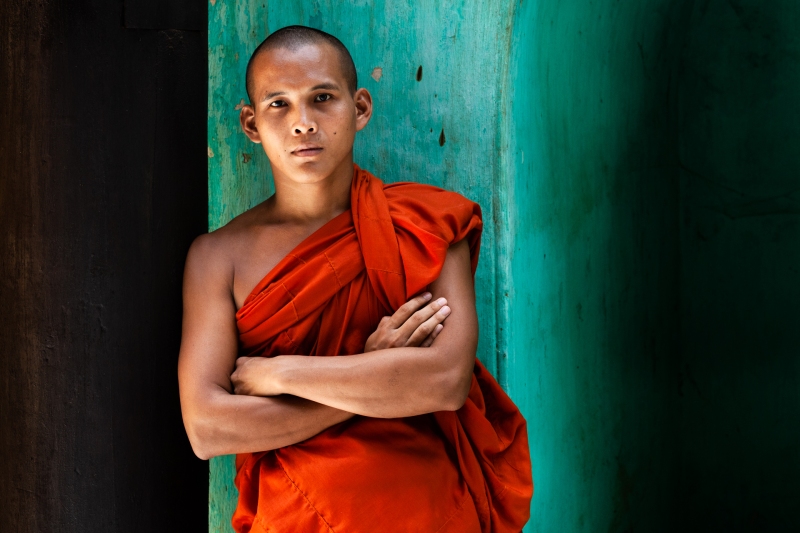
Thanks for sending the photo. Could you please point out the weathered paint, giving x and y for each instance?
(437, 115)
(740, 244)
(560, 118)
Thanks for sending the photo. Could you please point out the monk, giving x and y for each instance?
(330, 333)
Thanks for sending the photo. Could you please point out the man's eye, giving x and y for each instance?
(277, 103)
(323, 97)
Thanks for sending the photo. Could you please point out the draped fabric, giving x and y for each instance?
(449, 471)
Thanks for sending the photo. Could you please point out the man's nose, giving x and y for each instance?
(304, 123)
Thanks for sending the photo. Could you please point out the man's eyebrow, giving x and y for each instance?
(270, 95)
(327, 85)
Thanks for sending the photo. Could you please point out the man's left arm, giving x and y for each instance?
(387, 383)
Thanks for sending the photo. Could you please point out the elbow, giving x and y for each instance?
(198, 443)
(456, 400)
(200, 439)
(460, 384)
(201, 450)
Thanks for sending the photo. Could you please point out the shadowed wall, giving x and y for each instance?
(740, 267)
(595, 261)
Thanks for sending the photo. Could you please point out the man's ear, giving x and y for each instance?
(247, 118)
(363, 102)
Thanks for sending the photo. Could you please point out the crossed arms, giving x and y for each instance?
(258, 404)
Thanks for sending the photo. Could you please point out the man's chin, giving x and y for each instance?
(309, 172)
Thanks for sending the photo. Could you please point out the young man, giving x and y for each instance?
(406, 431)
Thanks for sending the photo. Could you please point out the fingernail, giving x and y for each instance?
(440, 327)
(427, 296)
(441, 301)
(445, 310)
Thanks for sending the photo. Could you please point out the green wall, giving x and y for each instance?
(740, 266)
(595, 261)
(457, 101)
(636, 166)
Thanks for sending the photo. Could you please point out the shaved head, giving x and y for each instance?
(294, 37)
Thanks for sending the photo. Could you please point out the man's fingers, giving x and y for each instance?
(418, 318)
(407, 309)
(428, 327)
(428, 341)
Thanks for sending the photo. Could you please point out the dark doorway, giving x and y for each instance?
(102, 189)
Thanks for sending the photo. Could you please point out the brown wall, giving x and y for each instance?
(102, 188)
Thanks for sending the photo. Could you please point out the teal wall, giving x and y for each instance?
(595, 260)
(636, 166)
(459, 97)
(740, 266)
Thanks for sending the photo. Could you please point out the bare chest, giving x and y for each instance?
(259, 251)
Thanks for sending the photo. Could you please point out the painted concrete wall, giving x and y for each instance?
(636, 166)
(594, 266)
(740, 241)
(555, 120)
(436, 73)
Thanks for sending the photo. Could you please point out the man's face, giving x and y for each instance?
(303, 113)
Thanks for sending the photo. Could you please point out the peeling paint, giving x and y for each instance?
(240, 105)
(377, 72)
(210, 152)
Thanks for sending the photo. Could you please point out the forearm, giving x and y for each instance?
(226, 423)
(391, 383)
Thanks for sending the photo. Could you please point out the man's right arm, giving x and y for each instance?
(217, 421)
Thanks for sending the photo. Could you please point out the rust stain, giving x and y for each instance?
(377, 72)
(419, 73)
(213, 2)
(442, 140)
(240, 105)
(247, 157)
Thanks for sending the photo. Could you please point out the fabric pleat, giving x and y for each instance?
(461, 471)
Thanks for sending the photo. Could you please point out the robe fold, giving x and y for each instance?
(459, 471)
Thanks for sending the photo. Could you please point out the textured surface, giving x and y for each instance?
(637, 165)
(740, 240)
(594, 264)
(102, 188)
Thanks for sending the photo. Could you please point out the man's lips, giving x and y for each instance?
(307, 150)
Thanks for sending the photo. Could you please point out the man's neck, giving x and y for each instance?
(310, 203)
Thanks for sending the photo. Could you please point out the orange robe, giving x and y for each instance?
(459, 471)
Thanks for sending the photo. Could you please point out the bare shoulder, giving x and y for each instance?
(209, 259)
(212, 256)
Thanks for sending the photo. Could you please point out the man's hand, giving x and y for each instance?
(410, 326)
(254, 376)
